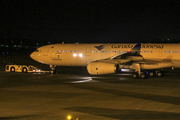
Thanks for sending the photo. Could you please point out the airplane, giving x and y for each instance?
(111, 58)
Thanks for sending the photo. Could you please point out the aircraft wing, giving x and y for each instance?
(130, 56)
(130, 60)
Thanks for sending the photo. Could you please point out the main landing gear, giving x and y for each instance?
(53, 70)
(159, 73)
(143, 75)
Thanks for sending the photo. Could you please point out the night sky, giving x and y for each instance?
(90, 21)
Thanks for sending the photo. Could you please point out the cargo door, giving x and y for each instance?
(46, 51)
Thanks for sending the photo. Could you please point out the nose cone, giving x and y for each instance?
(32, 55)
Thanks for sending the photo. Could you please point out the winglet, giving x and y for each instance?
(136, 47)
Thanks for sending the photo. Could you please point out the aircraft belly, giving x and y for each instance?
(156, 65)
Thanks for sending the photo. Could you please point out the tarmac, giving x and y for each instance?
(72, 91)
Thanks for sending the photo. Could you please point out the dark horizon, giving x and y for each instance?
(91, 21)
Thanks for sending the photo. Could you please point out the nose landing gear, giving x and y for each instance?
(53, 70)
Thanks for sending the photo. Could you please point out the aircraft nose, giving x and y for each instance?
(32, 55)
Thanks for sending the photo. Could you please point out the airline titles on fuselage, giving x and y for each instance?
(130, 46)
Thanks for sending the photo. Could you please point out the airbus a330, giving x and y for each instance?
(111, 58)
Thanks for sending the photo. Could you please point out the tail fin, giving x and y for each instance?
(137, 47)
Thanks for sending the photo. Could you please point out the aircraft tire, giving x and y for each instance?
(12, 69)
(151, 73)
(143, 75)
(53, 71)
(160, 74)
(135, 75)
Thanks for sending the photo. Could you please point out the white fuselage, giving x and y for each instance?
(82, 54)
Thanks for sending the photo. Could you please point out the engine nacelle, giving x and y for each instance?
(96, 68)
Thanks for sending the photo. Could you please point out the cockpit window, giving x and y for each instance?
(36, 50)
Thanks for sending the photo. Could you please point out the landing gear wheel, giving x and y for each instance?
(135, 75)
(12, 69)
(151, 73)
(53, 71)
(24, 70)
(143, 75)
(160, 74)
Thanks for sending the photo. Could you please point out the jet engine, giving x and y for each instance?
(96, 68)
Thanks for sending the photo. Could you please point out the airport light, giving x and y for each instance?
(69, 117)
